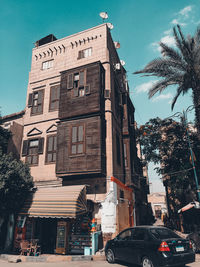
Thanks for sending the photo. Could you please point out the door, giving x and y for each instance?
(122, 246)
(139, 244)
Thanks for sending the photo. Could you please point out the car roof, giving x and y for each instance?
(146, 227)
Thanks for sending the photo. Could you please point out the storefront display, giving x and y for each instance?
(80, 235)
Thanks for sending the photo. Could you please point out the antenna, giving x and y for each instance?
(103, 15)
(122, 62)
(110, 25)
(117, 45)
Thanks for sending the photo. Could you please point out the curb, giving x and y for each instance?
(51, 258)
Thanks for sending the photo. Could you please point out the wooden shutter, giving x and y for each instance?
(87, 89)
(70, 81)
(25, 148)
(40, 96)
(80, 54)
(75, 91)
(81, 78)
(41, 145)
(30, 100)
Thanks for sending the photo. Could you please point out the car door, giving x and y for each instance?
(139, 244)
(122, 244)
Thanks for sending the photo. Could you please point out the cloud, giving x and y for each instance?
(155, 46)
(162, 97)
(168, 40)
(144, 87)
(185, 11)
(176, 21)
(168, 32)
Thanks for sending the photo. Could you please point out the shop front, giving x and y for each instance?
(57, 220)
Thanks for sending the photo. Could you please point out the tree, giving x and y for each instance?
(164, 142)
(180, 67)
(15, 183)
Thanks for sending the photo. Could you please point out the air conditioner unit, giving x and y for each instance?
(107, 93)
(117, 66)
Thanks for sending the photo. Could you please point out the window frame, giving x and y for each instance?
(38, 105)
(77, 141)
(126, 155)
(85, 53)
(53, 150)
(32, 155)
(56, 100)
(49, 66)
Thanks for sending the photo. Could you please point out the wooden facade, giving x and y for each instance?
(89, 79)
(92, 158)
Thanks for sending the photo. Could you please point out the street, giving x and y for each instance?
(74, 264)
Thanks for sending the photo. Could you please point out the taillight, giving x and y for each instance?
(190, 243)
(164, 246)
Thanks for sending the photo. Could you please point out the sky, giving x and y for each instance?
(139, 25)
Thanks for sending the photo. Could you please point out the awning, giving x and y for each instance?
(56, 202)
(189, 206)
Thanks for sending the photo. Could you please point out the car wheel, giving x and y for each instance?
(146, 262)
(110, 257)
(194, 246)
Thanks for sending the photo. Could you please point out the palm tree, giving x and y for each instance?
(180, 66)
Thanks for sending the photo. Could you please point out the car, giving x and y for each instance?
(150, 246)
(194, 237)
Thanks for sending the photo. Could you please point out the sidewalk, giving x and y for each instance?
(51, 258)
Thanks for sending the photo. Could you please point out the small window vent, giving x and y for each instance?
(107, 93)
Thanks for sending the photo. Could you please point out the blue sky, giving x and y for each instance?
(138, 25)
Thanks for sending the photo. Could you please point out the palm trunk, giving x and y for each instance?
(196, 101)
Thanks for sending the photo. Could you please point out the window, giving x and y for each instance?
(77, 140)
(161, 233)
(77, 82)
(126, 235)
(54, 98)
(32, 157)
(51, 149)
(125, 155)
(35, 101)
(85, 53)
(139, 234)
(47, 64)
(31, 149)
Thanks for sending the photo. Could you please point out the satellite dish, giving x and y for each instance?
(122, 62)
(110, 26)
(103, 15)
(117, 45)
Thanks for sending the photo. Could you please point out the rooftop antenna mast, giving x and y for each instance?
(103, 15)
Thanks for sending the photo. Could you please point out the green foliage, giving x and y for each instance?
(4, 137)
(178, 66)
(15, 179)
(15, 184)
(165, 142)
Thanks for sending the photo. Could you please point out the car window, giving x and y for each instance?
(162, 233)
(126, 235)
(138, 234)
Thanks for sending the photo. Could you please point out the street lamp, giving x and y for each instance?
(183, 116)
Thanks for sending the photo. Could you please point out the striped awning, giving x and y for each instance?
(56, 202)
(189, 206)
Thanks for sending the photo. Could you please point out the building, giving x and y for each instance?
(158, 203)
(79, 140)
